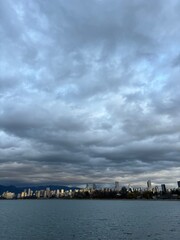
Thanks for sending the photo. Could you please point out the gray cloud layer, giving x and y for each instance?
(89, 91)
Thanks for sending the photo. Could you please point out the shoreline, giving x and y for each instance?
(91, 199)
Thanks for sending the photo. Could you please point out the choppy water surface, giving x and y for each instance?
(89, 219)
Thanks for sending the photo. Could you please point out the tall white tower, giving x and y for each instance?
(117, 187)
(149, 186)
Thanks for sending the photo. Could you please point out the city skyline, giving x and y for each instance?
(89, 92)
(93, 192)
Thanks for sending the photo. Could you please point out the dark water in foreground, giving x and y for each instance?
(89, 219)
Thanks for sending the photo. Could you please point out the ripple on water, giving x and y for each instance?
(99, 220)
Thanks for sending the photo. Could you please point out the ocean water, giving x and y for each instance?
(89, 219)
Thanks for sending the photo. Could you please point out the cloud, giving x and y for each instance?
(89, 91)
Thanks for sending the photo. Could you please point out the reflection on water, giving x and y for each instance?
(89, 219)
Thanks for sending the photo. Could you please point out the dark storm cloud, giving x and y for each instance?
(89, 91)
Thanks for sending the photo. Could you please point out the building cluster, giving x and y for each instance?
(91, 192)
(39, 194)
(150, 192)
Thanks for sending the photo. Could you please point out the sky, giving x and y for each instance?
(89, 92)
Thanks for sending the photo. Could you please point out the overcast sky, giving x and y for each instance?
(89, 91)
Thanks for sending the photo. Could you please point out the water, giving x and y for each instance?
(89, 219)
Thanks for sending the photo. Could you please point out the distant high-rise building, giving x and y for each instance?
(130, 188)
(117, 187)
(57, 193)
(48, 192)
(156, 189)
(45, 194)
(149, 186)
(8, 195)
(62, 191)
(38, 194)
(29, 193)
(91, 186)
(178, 183)
(163, 188)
